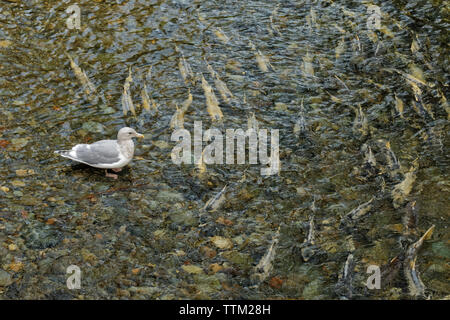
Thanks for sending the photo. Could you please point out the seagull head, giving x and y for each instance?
(128, 133)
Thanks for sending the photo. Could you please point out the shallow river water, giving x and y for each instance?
(357, 94)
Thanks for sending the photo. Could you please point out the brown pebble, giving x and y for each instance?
(123, 293)
(215, 267)
(135, 271)
(224, 221)
(275, 282)
(208, 252)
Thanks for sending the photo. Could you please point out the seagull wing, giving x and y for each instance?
(100, 152)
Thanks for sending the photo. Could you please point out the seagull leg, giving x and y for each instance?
(111, 175)
(116, 169)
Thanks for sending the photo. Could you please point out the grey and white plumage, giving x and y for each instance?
(105, 154)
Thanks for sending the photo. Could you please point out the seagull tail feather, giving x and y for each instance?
(63, 153)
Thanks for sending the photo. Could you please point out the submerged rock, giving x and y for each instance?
(169, 196)
(192, 269)
(441, 249)
(147, 291)
(312, 290)
(5, 278)
(42, 237)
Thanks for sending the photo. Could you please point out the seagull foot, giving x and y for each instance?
(111, 175)
(116, 169)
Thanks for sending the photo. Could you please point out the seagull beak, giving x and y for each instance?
(138, 135)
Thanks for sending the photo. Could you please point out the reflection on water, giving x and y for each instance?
(363, 117)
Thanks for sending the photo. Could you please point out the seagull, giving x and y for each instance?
(105, 154)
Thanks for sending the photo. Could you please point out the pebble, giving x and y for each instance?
(169, 196)
(18, 183)
(144, 290)
(192, 269)
(208, 252)
(221, 242)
